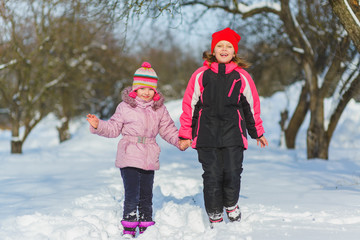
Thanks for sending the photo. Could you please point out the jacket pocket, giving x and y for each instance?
(153, 153)
(233, 85)
(122, 147)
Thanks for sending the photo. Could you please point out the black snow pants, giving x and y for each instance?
(222, 177)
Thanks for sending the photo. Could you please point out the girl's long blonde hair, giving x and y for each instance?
(210, 58)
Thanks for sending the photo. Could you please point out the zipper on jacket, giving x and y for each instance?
(145, 134)
(232, 86)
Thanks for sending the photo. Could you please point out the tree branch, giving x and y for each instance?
(245, 10)
(335, 70)
(352, 91)
(210, 6)
(47, 86)
(256, 10)
(30, 125)
(348, 19)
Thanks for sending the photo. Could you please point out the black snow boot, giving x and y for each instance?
(233, 213)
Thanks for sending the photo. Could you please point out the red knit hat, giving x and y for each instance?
(228, 35)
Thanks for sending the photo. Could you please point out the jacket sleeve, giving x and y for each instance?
(251, 105)
(112, 127)
(191, 97)
(167, 129)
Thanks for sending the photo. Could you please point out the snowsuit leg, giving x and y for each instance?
(221, 178)
(138, 185)
(233, 161)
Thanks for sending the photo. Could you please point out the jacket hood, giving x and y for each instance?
(134, 102)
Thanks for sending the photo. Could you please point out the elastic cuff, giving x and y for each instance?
(216, 220)
(182, 138)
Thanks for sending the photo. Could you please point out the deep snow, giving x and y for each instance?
(73, 191)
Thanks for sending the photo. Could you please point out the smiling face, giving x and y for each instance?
(145, 93)
(224, 51)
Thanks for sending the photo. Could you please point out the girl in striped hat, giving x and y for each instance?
(139, 118)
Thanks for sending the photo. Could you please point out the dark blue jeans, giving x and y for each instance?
(138, 185)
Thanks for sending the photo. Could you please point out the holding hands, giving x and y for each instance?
(93, 120)
(184, 144)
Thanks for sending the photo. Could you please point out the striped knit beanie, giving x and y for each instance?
(145, 77)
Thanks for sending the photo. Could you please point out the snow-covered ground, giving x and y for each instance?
(73, 191)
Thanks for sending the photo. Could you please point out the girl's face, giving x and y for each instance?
(145, 93)
(224, 51)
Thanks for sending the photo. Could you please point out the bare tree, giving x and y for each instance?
(25, 79)
(54, 54)
(92, 60)
(79, 43)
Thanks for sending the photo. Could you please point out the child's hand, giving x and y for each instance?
(184, 144)
(263, 142)
(93, 120)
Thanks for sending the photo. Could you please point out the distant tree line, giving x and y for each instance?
(65, 57)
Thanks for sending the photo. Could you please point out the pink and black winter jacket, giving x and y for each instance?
(220, 103)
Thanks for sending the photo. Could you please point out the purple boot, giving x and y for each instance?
(144, 225)
(129, 228)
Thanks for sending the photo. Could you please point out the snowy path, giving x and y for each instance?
(73, 191)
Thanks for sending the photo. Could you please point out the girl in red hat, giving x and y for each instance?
(221, 107)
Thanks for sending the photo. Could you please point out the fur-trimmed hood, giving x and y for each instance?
(133, 102)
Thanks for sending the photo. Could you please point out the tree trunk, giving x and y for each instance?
(317, 142)
(63, 131)
(16, 147)
(297, 119)
(16, 142)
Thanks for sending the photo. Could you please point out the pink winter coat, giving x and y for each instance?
(139, 122)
